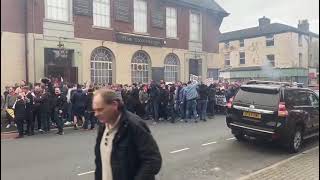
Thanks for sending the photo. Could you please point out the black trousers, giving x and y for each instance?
(89, 116)
(30, 121)
(45, 121)
(58, 119)
(20, 122)
(36, 116)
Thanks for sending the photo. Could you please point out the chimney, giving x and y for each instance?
(263, 22)
(303, 25)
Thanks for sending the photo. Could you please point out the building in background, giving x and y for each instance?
(270, 51)
(109, 41)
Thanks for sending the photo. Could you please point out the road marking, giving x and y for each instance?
(172, 152)
(206, 144)
(89, 172)
(230, 139)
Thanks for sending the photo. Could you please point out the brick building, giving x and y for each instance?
(102, 41)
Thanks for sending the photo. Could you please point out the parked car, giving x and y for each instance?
(275, 111)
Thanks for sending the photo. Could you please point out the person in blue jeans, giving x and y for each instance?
(191, 110)
(191, 99)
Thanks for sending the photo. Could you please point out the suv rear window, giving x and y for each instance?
(259, 96)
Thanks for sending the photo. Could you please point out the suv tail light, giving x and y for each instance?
(282, 111)
(229, 104)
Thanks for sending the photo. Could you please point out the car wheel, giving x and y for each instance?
(296, 140)
(239, 137)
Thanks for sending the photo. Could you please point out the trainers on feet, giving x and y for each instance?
(8, 126)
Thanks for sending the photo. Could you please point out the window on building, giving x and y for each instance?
(270, 59)
(101, 65)
(171, 68)
(300, 60)
(101, 13)
(140, 16)
(171, 22)
(300, 40)
(195, 29)
(58, 10)
(270, 40)
(140, 67)
(242, 57)
(227, 59)
(242, 43)
(226, 44)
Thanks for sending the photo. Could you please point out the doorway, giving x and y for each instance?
(59, 65)
(195, 67)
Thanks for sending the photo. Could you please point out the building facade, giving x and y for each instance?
(271, 51)
(109, 41)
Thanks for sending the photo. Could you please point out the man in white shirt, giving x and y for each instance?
(125, 148)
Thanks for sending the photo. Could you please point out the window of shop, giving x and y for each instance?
(57, 10)
(101, 65)
(140, 67)
(171, 68)
(101, 13)
(171, 22)
(140, 16)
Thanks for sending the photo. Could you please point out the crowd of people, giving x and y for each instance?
(52, 103)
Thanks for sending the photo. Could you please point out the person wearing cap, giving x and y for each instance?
(125, 148)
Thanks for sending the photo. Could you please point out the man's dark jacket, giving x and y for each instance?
(135, 154)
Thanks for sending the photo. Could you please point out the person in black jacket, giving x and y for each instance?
(171, 102)
(59, 102)
(154, 93)
(44, 110)
(125, 148)
(36, 107)
(78, 101)
(203, 101)
(20, 113)
(29, 111)
(164, 94)
(89, 114)
(133, 99)
(211, 100)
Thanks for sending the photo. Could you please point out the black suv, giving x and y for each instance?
(275, 111)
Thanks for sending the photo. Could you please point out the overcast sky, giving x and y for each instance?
(245, 13)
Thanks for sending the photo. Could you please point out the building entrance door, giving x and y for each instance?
(195, 67)
(59, 65)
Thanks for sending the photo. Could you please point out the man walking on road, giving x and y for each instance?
(125, 148)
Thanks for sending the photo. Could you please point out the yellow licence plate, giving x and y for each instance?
(252, 115)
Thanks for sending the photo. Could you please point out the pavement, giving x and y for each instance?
(302, 166)
(190, 151)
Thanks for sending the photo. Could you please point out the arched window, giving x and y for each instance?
(171, 68)
(140, 67)
(101, 65)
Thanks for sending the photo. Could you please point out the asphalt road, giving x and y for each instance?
(202, 151)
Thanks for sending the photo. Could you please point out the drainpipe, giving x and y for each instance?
(26, 41)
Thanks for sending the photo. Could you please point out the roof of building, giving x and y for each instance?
(207, 4)
(273, 28)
